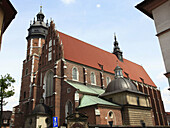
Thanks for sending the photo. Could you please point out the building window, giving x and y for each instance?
(50, 43)
(93, 78)
(68, 90)
(68, 108)
(75, 73)
(49, 56)
(49, 83)
(138, 103)
(5, 121)
(50, 50)
(26, 71)
(111, 114)
(108, 80)
(24, 95)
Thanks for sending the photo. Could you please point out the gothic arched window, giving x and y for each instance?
(93, 78)
(49, 83)
(75, 73)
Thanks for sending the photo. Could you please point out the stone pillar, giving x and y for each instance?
(151, 106)
(156, 107)
(57, 88)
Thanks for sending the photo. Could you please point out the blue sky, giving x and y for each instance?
(93, 21)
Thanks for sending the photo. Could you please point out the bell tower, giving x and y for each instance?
(35, 40)
(36, 35)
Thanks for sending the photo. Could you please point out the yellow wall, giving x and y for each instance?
(130, 98)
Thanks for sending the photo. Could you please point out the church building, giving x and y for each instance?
(63, 75)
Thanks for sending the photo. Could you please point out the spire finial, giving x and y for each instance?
(115, 36)
(41, 8)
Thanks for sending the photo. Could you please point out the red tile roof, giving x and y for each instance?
(86, 54)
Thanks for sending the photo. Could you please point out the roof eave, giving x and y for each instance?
(148, 5)
(10, 13)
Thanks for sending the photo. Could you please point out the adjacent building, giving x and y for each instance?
(168, 118)
(7, 14)
(6, 119)
(159, 10)
(63, 75)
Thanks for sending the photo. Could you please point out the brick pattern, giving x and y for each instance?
(131, 116)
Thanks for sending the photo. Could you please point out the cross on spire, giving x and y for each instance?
(41, 8)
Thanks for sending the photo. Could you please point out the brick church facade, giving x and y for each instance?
(70, 75)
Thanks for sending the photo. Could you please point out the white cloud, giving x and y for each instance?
(68, 1)
(166, 98)
(98, 5)
(160, 77)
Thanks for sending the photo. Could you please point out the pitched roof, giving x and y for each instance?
(88, 100)
(168, 113)
(86, 54)
(147, 6)
(86, 89)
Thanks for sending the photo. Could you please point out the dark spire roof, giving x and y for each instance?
(115, 43)
(117, 50)
(39, 28)
(40, 15)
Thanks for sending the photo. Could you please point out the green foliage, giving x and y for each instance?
(6, 88)
(6, 91)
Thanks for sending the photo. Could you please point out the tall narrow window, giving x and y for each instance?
(49, 83)
(93, 78)
(26, 71)
(50, 50)
(108, 80)
(24, 95)
(138, 103)
(68, 108)
(74, 73)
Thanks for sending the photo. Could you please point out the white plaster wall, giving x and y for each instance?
(161, 16)
(164, 40)
(41, 121)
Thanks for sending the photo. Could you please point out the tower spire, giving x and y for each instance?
(116, 49)
(115, 42)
